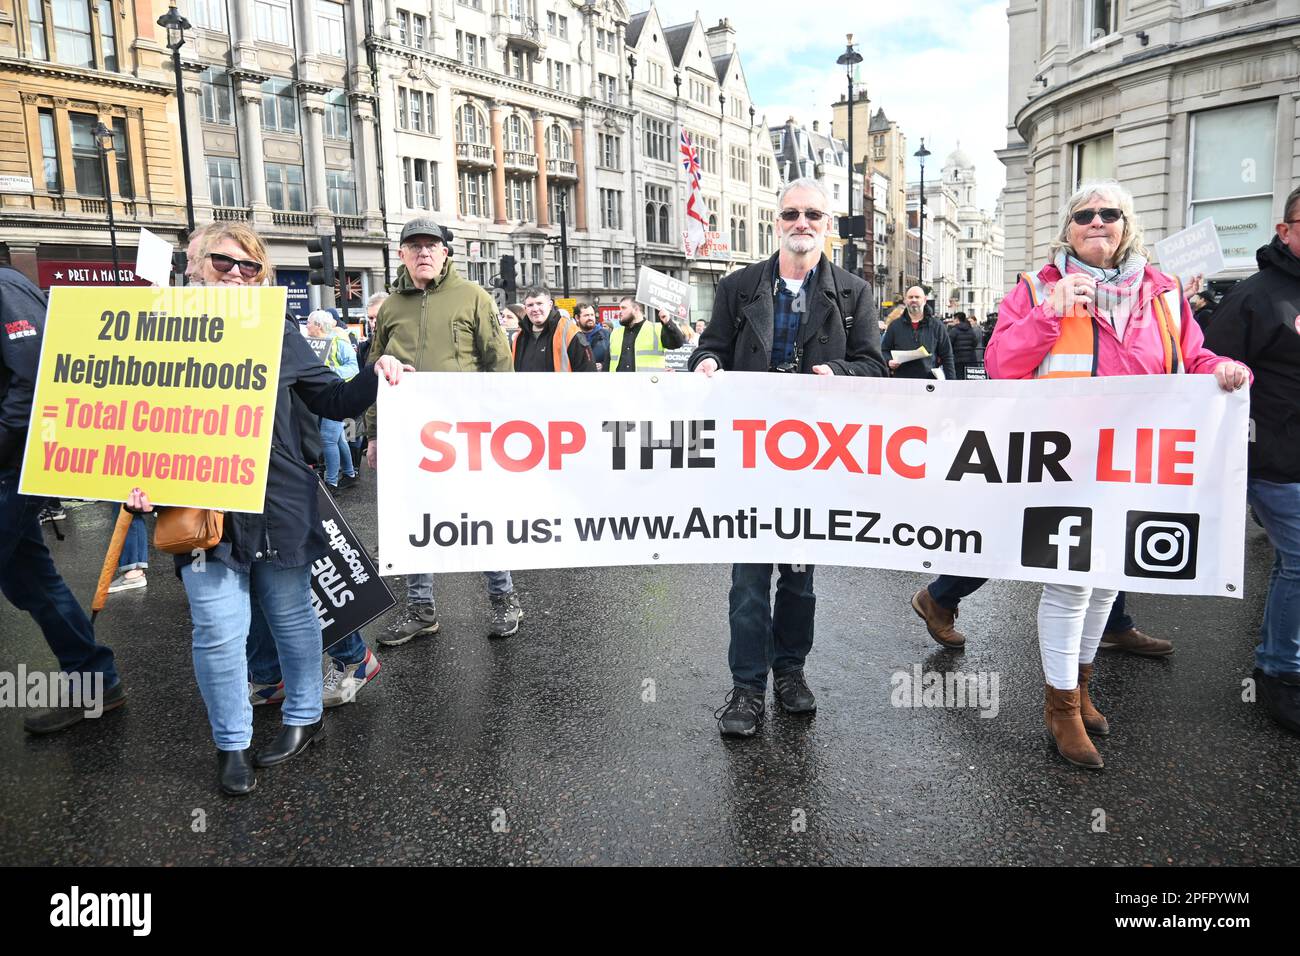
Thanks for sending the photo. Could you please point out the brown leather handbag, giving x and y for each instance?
(186, 530)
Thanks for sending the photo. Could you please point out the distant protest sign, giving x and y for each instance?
(657, 291)
(679, 359)
(169, 390)
(1193, 252)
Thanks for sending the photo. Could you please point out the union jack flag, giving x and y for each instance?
(690, 159)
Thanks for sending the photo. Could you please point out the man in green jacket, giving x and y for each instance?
(438, 322)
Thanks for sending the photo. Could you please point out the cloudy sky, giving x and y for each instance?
(938, 67)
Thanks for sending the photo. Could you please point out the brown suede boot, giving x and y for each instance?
(938, 620)
(1093, 721)
(1064, 725)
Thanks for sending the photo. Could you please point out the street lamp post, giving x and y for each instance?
(920, 254)
(176, 25)
(103, 135)
(849, 59)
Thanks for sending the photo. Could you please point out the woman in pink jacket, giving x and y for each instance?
(1097, 308)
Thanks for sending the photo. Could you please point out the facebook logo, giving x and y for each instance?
(1059, 538)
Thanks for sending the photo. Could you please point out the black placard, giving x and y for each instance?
(346, 589)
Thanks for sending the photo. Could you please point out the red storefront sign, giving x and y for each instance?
(609, 315)
(52, 272)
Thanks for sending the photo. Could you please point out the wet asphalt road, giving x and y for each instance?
(541, 749)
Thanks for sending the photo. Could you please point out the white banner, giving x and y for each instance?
(1136, 483)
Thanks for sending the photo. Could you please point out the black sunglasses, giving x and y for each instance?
(812, 215)
(1084, 216)
(223, 264)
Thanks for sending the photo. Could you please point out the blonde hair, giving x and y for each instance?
(1130, 240)
(247, 237)
(894, 313)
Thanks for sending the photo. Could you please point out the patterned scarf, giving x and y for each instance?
(1117, 289)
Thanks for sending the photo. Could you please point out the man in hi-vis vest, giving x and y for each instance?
(637, 345)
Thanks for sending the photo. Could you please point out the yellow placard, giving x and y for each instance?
(168, 390)
(568, 305)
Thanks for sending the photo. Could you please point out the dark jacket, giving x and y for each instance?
(598, 339)
(966, 341)
(288, 531)
(931, 333)
(1258, 322)
(838, 330)
(1204, 315)
(22, 325)
(533, 352)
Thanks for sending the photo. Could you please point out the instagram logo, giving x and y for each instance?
(1161, 545)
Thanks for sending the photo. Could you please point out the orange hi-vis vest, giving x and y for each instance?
(565, 330)
(1074, 354)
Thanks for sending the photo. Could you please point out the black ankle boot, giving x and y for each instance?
(235, 774)
(288, 743)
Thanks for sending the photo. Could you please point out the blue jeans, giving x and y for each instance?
(135, 549)
(1278, 508)
(221, 604)
(30, 581)
(948, 590)
(264, 661)
(419, 587)
(336, 449)
(763, 637)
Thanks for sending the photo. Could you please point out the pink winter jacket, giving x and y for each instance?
(1025, 333)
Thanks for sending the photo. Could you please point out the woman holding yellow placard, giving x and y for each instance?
(266, 557)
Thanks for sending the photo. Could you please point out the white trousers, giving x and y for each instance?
(1070, 623)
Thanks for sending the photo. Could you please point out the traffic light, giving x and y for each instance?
(321, 264)
(509, 276)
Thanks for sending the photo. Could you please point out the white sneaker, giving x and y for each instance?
(341, 684)
(124, 583)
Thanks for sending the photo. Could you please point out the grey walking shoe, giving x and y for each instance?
(419, 619)
(506, 614)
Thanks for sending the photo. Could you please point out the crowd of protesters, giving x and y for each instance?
(1097, 307)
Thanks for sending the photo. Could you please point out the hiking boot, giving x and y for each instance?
(938, 620)
(419, 619)
(741, 713)
(793, 693)
(506, 614)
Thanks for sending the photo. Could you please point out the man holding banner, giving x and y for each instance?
(795, 312)
(439, 322)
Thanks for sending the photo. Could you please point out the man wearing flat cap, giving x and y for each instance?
(439, 322)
